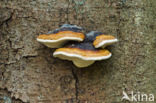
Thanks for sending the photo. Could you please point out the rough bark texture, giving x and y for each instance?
(29, 72)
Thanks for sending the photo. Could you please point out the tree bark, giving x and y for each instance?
(29, 73)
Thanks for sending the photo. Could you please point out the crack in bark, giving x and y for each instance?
(118, 24)
(73, 69)
(67, 12)
(3, 72)
(76, 83)
(7, 20)
(6, 96)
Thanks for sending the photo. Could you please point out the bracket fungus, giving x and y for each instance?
(82, 54)
(99, 39)
(56, 38)
(88, 48)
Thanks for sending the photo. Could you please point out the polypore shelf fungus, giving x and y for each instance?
(56, 38)
(82, 54)
(100, 39)
(88, 48)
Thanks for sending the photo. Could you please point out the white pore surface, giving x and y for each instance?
(58, 40)
(82, 63)
(105, 42)
(82, 57)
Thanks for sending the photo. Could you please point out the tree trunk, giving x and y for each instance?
(29, 73)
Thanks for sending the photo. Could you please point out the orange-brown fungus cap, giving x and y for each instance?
(61, 34)
(84, 53)
(58, 37)
(101, 38)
